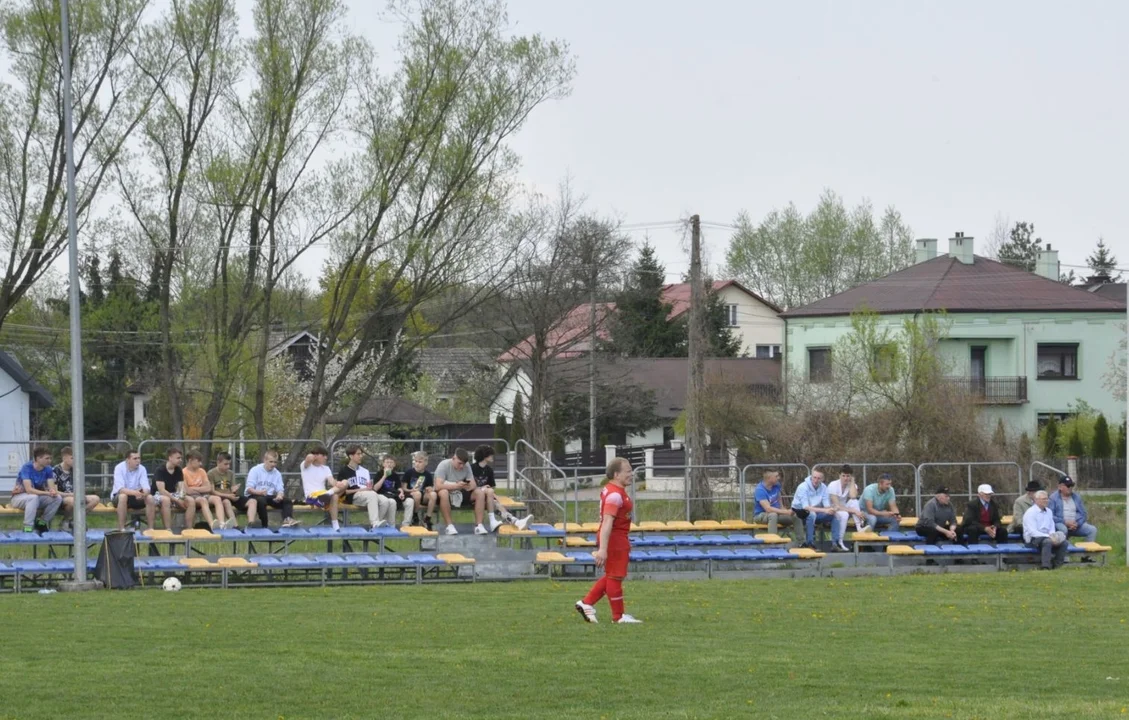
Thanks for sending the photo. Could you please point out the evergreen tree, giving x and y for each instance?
(999, 438)
(641, 324)
(502, 432)
(1102, 446)
(723, 342)
(1024, 453)
(1102, 262)
(1050, 438)
(517, 423)
(1121, 443)
(1074, 445)
(1022, 247)
(95, 290)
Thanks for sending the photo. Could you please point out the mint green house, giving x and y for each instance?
(1027, 345)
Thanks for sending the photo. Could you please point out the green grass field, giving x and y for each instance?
(1009, 645)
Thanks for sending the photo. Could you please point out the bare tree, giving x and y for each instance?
(108, 104)
(999, 236)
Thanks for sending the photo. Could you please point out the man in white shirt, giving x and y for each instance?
(1039, 532)
(844, 494)
(131, 490)
(359, 489)
(319, 486)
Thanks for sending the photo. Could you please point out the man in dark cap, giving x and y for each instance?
(938, 519)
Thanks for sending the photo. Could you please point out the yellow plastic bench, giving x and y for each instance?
(909, 522)
(194, 534)
(1093, 547)
(903, 550)
(868, 537)
(510, 503)
(163, 536)
(512, 531)
(196, 563)
(9, 510)
(681, 526)
(708, 525)
(551, 558)
(770, 539)
(1006, 520)
(806, 553)
(455, 559)
(579, 542)
(417, 531)
(570, 527)
(741, 525)
(236, 563)
(653, 526)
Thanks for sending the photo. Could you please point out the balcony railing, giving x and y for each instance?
(994, 390)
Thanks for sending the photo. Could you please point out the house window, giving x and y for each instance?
(731, 315)
(1058, 362)
(1044, 418)
(766, 352)
(819, 365)
(882, 364)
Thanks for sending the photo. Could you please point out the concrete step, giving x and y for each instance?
(502, 569)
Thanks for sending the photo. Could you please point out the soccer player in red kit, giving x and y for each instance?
(613, 546)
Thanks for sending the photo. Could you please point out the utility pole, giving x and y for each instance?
(77, 431)
(699, 505)
(592, 357)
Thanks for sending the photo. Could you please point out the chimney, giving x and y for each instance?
(926, 249)
(1046, 263)
(960, 247)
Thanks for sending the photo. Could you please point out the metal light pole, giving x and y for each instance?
(1127, 464)
(78, 433)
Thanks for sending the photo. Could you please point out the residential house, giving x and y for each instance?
(460, 374)
(20, 394)
(666, 378)
(1028, 346)
(754, 320)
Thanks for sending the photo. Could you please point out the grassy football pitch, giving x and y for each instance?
(998, 645)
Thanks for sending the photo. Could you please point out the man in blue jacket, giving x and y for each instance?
(1070, 512)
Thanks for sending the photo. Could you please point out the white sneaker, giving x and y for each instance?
(495, 523)
(450, 530)
(843, 547)
(379, 524)
(230, 524)
(523, 523)
(628, 620)
(866, 528)
(479, 530)
(586, 611)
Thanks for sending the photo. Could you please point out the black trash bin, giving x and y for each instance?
(115, 561)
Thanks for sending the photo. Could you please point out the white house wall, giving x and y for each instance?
(15, 426)
(757, 323)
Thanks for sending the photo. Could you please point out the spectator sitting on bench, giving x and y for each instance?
(880, 505)
(225, 488)
(131, 490)
(769, 508)
(1070, 513)
(265, 490)
(170, 491)
(454, 484)
(982, 516)
(359, 489)
(198, 490)
(483, 471)
(64, 483)
(844, 494)
(391, 487)
(425, 491)
(1039, 533)
(812, 505)
(1022, 504)
(35, 494)
(938, 519)
(319, 486)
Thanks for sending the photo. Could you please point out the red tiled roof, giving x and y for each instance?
(945, 283)
(570, 335)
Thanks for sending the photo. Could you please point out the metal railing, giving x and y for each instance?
(970, 465)
(866, 480)
(1031, 470)
(993, 390)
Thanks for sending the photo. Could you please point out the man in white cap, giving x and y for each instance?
(1039, 533)
(982, 517)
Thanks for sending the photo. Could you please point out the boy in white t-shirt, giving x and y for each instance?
(319, 486)
(844, 498)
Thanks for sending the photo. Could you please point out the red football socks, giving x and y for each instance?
(596, 592)
(615, 597)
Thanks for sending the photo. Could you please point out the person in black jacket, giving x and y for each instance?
(938, 519)
(982, 516)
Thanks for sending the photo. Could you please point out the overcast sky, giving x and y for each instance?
(955, 112)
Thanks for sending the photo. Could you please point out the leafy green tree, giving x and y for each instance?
(1121, 442)
(1022, 247)
(641, 325)
(1101, 446)
(1049, 438)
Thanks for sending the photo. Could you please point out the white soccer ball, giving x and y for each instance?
(171, 584)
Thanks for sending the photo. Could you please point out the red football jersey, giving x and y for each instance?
(614, 501)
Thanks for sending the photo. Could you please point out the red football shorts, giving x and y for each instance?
(616, 564)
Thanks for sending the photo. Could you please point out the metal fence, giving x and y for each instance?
(903, 476)
(788, 484)
(995, 474)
